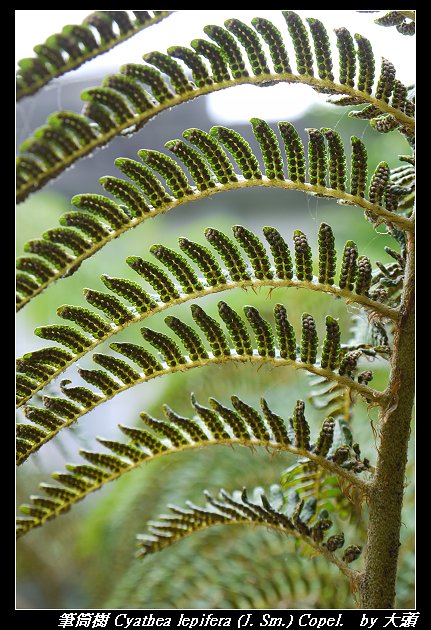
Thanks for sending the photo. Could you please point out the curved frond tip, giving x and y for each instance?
(98, 219)
(126, 101)
(78, 43)
(243, 425)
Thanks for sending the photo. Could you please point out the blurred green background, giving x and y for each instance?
(86, 557)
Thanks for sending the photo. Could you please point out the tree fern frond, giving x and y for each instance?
(355, 283)
(119, 375)
(300, 427)
(179, 267)
(308, 339)
(240, 150)
(270, 148)
(218, 425)
(77, 44)
(99, 219)
(123, 105)
(337, 159)
(301, 43)
(262, 331)
(322, 48)
(379, 182)
(283, 582)
(234, 509)
(229, 253)
(349, 268)
(303, 256)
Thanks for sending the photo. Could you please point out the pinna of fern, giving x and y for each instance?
(274, 570)
(99, 219)
(270, 585)
(236, 508)
(78, 43)
(250, 267)
(118, 375)
(125, 102)
(243, 425)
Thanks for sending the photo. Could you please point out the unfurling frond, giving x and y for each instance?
(99, 219)
(216, 424)
(126, 101)
(77, 44)
(131, 301)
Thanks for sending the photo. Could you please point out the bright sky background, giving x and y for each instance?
(33, 27)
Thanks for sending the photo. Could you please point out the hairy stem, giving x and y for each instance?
(377, 583)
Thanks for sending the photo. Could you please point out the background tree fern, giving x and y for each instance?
(252, 279)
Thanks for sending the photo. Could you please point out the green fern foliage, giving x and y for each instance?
(76, 44)
(119, 375)
(246, 264)
(286, 580)
(99, 219)
(128, 100)
(216, 424)
(325, 477)
(233, 509)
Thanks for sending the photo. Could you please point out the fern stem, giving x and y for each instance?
(73, 64)
(134, 124)
(274, 283)
(350, 477)
(400, 221)
(377, 583)
(371, 395)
